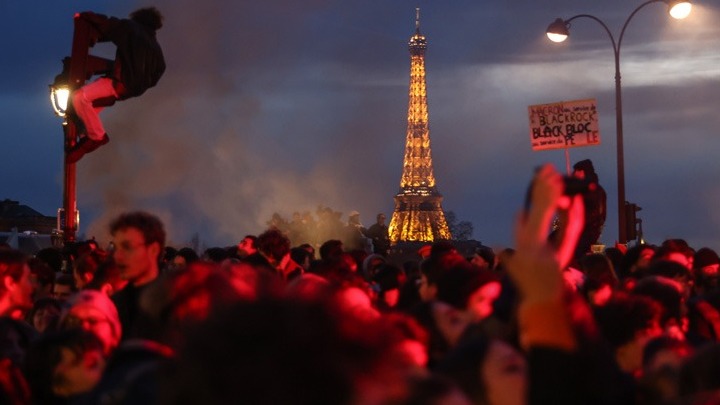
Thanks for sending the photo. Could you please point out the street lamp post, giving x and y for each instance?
(60, 98)
(76, 70)
(558, 31)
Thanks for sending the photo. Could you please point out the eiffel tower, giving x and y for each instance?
(418, 215)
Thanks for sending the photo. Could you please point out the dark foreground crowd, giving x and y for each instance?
(261, 323)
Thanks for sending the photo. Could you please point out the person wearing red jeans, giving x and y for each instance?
(138, 66)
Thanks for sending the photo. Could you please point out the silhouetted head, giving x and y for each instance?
(586, 166)
(149, 17)
(149, 225)
(676, 250)
(330, 249)
(273, 244)
(707, 261)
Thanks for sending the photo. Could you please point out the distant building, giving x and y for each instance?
(25, 229)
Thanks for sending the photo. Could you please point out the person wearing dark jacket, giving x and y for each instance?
(138, 239)
(595, 200)
(138, 66)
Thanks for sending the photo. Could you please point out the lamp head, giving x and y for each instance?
(679, 9)
(59, 96)
(60, 90)
(558, 30)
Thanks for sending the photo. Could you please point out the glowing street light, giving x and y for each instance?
(679, 9)
(60, 90)
(559, 31)
(59, 98)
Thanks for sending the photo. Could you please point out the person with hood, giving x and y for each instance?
(138, 66)
(595, 200)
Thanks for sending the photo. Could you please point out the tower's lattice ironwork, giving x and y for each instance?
(418, 215)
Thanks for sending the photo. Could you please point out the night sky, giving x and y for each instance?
(282, 105)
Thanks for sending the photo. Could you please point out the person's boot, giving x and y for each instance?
(86, 145)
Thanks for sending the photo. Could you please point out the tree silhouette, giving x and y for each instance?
(460, 230)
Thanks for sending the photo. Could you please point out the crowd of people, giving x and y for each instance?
(268, 321)
(327, 224)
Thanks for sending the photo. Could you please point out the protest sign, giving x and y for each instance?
(567, 124)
